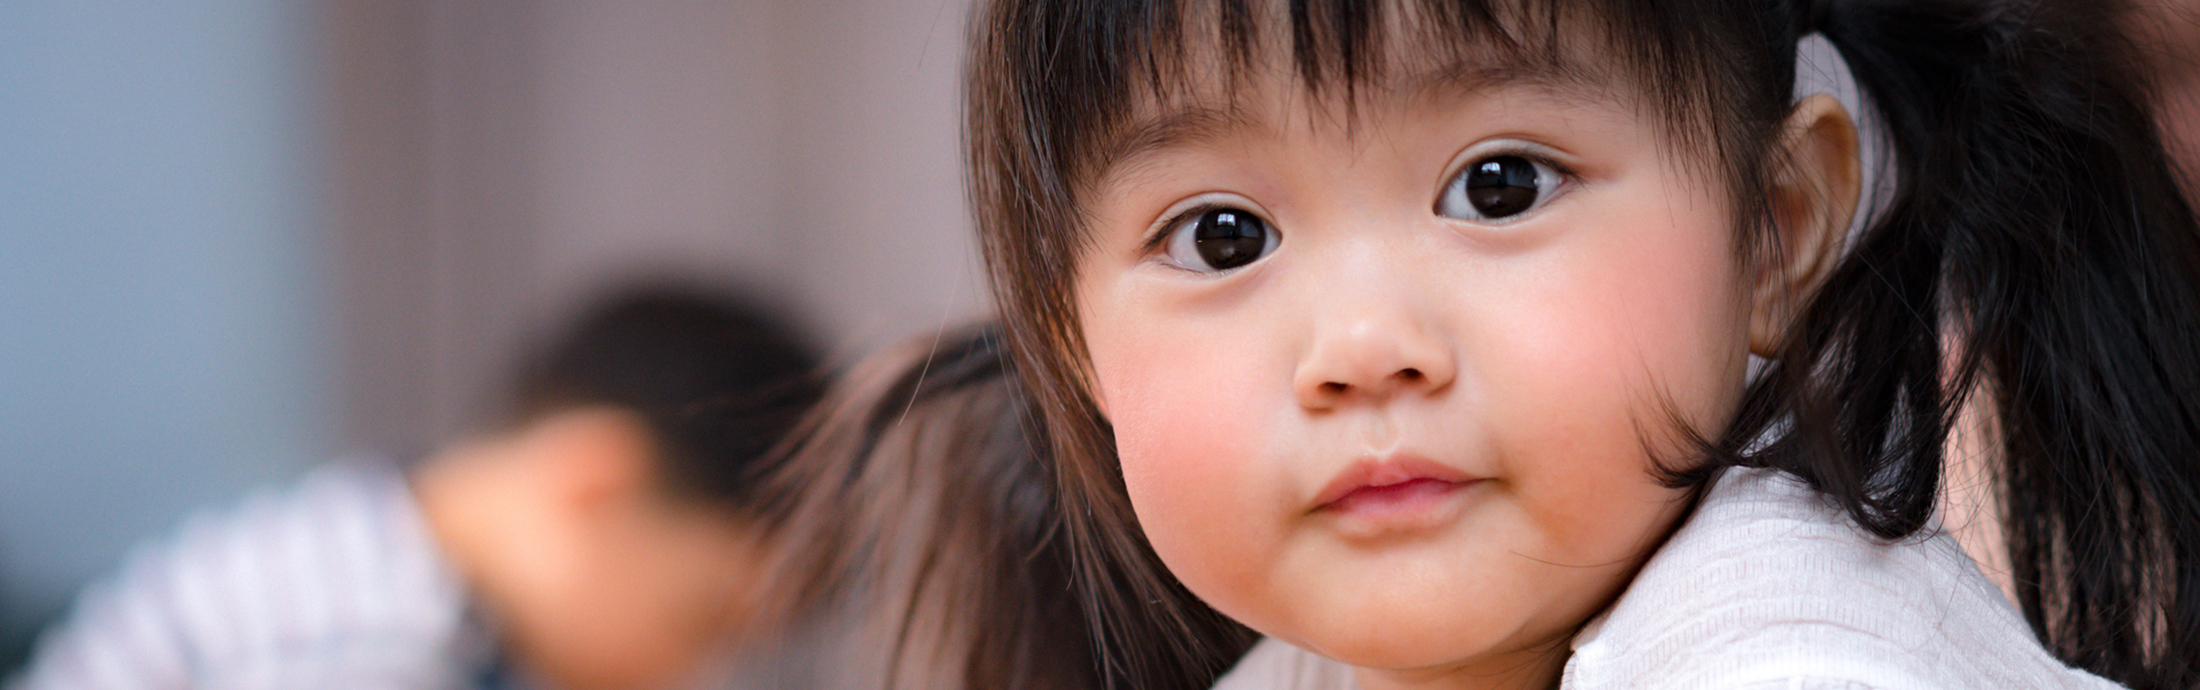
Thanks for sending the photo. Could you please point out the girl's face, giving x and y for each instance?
(1390, 386)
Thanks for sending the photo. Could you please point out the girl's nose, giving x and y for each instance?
(1370, 355)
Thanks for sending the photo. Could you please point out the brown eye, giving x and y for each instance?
(1496, 188)
(1220, 239)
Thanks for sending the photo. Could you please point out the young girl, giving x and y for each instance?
(1415, 336)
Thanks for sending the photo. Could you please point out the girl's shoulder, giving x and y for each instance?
(1769, 583)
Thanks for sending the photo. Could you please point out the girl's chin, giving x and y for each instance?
(1402, 645)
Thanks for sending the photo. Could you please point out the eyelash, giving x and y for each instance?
(1158, 237)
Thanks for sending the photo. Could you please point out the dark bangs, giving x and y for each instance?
(1072, 78)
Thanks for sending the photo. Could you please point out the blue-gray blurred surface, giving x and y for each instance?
(161, 316)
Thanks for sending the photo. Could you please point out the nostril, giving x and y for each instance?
(1333, 388)
(1411, 375)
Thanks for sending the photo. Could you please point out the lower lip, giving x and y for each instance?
(1402, 506)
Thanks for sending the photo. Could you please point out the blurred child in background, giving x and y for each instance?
(601, 537)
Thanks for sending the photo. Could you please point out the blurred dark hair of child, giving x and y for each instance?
(600, 536)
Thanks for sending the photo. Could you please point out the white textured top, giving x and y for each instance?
(1770, 586)
(332, 583)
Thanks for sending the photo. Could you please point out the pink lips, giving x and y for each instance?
(1392, 485)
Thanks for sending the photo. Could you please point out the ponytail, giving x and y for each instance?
(2035, 252)
(917, 524)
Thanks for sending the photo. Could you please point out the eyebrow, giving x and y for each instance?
(1174, 129)
(1191, 125)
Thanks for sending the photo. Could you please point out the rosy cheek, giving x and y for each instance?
(1189, 452)
(1618, 335)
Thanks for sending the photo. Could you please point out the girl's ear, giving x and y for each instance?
(1812, 198)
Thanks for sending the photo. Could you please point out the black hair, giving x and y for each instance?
(717, 381)
(2035, 227)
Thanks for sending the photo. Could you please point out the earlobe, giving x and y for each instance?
(1812, 198)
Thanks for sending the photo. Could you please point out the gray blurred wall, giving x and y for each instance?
(503, 160)
(238, 237)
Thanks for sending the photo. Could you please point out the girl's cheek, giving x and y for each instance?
(1637, 322)
(1188, 444)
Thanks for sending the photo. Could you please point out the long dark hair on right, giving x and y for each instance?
(2036, 252)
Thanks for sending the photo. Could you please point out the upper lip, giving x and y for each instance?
(1386, 471)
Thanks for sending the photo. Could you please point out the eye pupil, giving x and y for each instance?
(1228, 239)
(1502, 186)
